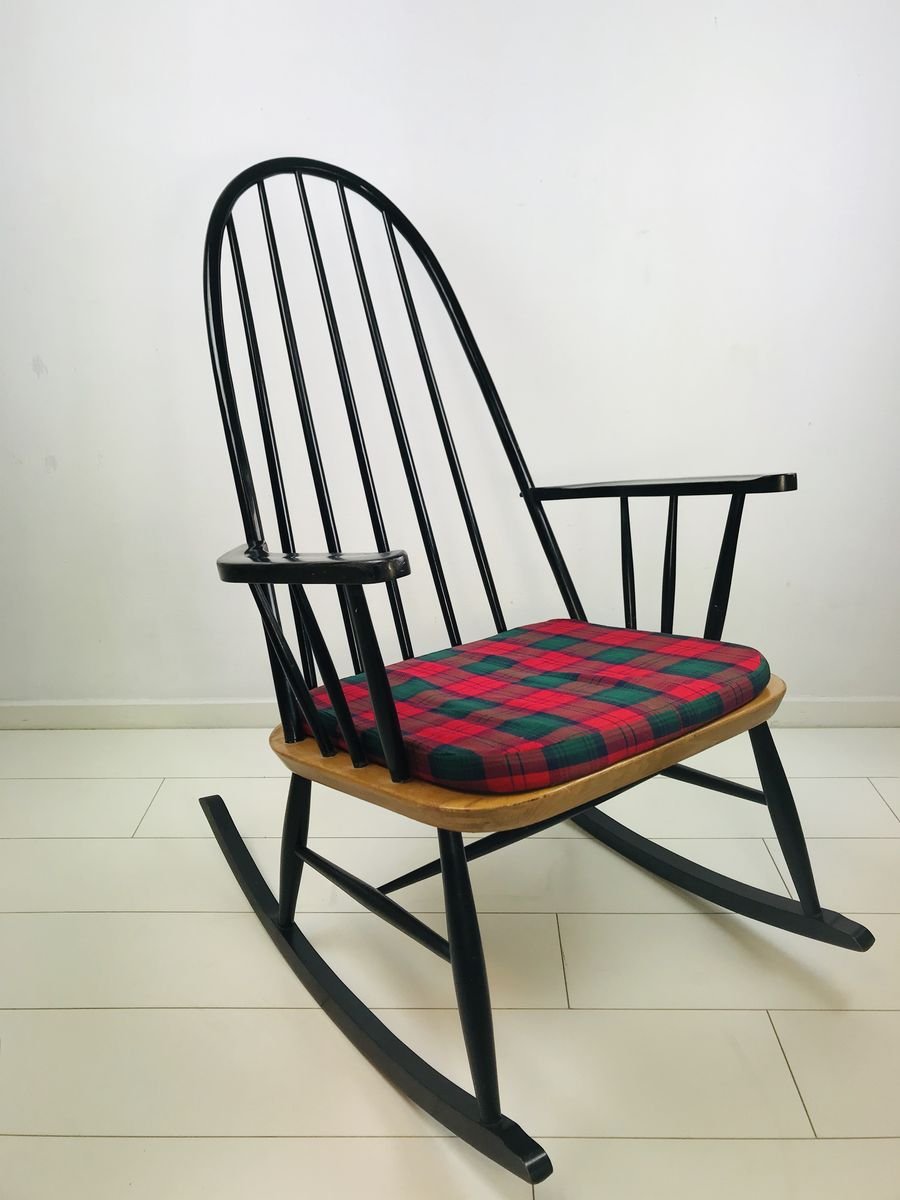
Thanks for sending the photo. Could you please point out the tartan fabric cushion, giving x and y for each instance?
(549, 702)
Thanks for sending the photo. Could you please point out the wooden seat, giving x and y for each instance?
(357, 745)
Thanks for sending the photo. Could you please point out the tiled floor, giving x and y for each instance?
(154, 1045)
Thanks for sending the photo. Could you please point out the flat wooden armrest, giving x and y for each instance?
(712, 485)
(256, 564)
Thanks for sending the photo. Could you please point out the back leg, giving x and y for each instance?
(786, 822)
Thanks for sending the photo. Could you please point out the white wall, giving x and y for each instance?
(674, 228)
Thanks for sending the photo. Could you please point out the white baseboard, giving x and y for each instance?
(837, 712)
(139, 714)
(799, 712)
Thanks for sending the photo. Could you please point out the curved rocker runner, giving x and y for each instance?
(504, 736)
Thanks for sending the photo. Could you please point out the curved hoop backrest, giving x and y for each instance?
(402, 239)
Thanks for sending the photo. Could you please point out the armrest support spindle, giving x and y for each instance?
(292, 673)
(735, 486)
(386, 719)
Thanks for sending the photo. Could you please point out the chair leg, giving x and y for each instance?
(785, 820)
(293, 838)
(469, 974)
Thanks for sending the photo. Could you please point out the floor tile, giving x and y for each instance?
(342, 1168)
(122, 960)
(828, 808)
(193, 1072)
(628, 1074)
(853, 874)
(586, 1169)
(812, 752)
(35, 808)
(201, 1072)
(722, 961)
(847, 1067)
(120, 875)
(257, 806)
(190, 874)
(389, 971)
(890, 790)
(130, 753)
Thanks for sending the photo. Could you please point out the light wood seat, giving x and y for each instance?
(470, 812)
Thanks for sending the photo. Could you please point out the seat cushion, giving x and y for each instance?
(550, 702)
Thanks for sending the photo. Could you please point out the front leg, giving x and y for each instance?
(469, 974)
(293, 838)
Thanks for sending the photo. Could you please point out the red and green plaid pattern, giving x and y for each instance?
(546, 703)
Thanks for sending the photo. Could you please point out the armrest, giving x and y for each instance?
(256, 564)
(713, 485)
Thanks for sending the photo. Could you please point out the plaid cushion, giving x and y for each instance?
(549, 702)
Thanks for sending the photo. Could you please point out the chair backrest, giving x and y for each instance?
(228, 283)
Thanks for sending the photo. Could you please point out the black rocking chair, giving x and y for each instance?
(504, 737)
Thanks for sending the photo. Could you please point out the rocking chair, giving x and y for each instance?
(504, 736)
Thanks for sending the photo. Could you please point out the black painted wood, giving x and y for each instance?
(726, 786)
(256, 564)
(294, 833)
(469, 974)
(628, 594)
(404, 242)
(376, 902)
(667, 616)
(785, 818)
(721, 588)
(771, 909)
(713, 485)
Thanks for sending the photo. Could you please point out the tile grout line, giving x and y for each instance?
(791, 1071)
(414, 837)
(882, 797)
(179, 777)
(562, 959)
(787, 886)
(420, 1007)
(149, 806)
(400, 837)
(418, 911)
(429, 1137)
(183, 778)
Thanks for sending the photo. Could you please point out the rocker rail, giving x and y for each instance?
(767, 907)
